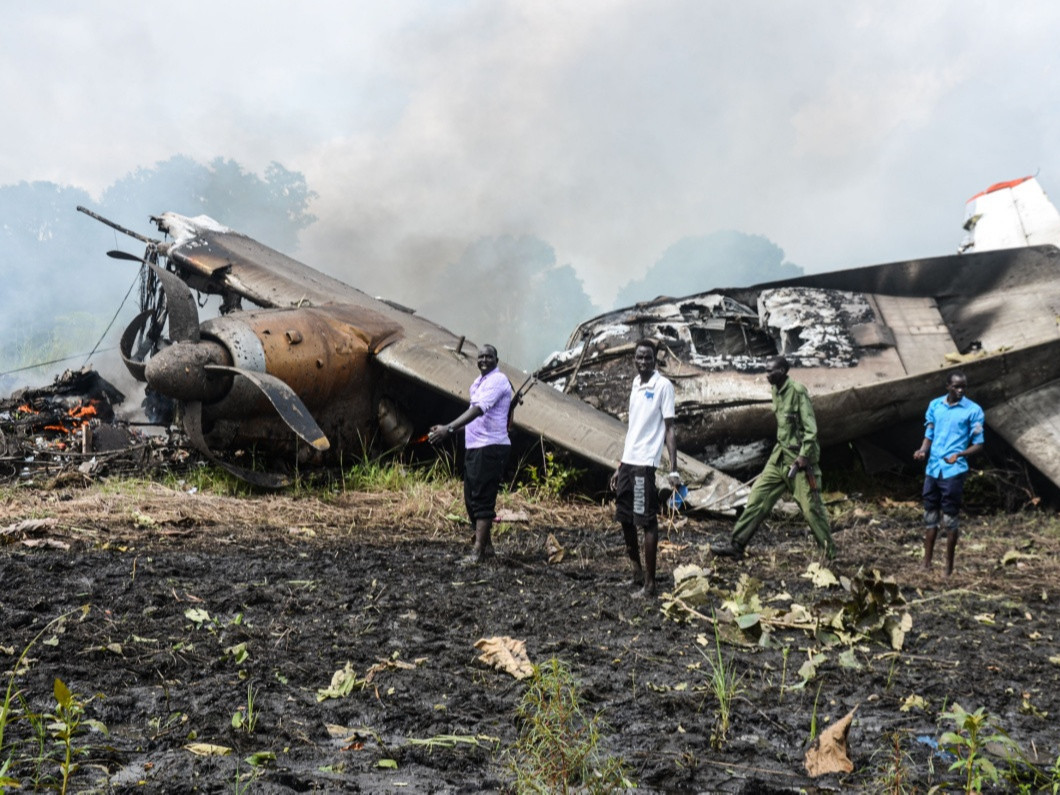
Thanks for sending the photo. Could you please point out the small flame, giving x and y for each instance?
(80, 412)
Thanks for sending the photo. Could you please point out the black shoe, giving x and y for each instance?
(727, 550)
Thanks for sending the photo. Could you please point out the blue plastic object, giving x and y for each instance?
(677, 499)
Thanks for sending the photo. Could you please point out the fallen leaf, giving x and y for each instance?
(197, 615)
(820, 576)
(343, 682)
(828, 752)
(507, 515)
(261, 758)
(208, 749)
(506, 654)
(54, 543)
(847, 659)
(913, 702)
(554, 549)
(1012, 556)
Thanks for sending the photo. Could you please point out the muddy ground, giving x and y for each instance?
(192, 599)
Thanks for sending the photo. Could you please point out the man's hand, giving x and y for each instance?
(952, 459)
(437, 433)
(614, 481)
(675, 479)
(802, 462)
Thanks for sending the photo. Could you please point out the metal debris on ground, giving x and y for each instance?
(69, 432)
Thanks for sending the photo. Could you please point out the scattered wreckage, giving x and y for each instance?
(873, 345)
(69, 431)
(315, 371)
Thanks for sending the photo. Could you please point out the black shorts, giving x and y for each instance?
(946, 494)
(637, 499)
(483, 470)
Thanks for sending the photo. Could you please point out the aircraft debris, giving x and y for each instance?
(873, 345)
(68, 431)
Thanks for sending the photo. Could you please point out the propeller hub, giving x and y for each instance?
(179, 371)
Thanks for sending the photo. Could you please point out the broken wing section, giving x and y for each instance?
(1030, 422)
(562, 420)
(216, 259)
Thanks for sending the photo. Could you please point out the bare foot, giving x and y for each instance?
(647, 592)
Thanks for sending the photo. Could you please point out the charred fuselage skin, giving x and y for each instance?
(872, 345)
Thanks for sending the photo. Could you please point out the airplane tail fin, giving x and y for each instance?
(1010, 215)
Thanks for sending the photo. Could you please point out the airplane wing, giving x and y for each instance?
(1030, 422)
(560, 419)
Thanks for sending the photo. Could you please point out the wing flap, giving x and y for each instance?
(1030, 422)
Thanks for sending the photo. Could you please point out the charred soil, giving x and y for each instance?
(178, 606)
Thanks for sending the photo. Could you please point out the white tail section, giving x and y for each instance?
(1010, 215)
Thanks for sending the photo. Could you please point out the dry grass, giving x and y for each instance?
(115, 509)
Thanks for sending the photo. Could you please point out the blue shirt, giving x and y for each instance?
(951, 428)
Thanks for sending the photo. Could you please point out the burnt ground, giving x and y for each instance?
(310, 584)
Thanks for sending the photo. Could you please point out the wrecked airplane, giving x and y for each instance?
(873, 345)
(316, 371)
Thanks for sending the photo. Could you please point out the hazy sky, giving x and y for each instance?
(848, 133)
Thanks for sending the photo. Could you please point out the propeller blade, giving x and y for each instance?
(183, 314)
(193, 427)
(124, 255)
(128, 338)
(287, 404)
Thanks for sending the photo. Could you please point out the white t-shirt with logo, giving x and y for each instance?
(650, 404)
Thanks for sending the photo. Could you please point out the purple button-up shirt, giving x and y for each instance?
(492, 393)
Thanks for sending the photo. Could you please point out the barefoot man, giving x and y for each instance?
(953, 430)
(651, 424)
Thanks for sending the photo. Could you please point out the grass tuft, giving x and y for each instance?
(558, 749)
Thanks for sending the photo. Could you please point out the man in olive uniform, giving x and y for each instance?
(792, 467)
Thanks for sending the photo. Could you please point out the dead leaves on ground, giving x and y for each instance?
(506, 654)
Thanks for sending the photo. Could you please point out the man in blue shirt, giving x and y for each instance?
(953, 431)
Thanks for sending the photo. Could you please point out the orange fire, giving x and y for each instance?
(82, 413)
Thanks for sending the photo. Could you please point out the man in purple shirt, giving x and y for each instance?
(487, 447)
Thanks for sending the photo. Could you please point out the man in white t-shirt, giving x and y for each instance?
(651, 426)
